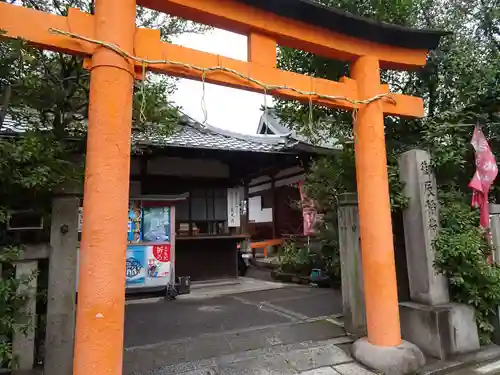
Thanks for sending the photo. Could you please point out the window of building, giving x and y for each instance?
(204, 213)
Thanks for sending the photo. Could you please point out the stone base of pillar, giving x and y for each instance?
(440, 331)
(388, 360)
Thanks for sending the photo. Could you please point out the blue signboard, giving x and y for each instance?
(135, 223)
(136, 265)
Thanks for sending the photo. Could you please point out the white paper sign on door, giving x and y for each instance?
(233, 207)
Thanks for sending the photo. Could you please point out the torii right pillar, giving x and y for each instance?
(383, 349)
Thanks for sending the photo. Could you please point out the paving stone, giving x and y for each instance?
(321, 371)
(232, 334)
(205, 371)
(352, 369)
(318, 330)
(265, 365)
(346, 347)
(153, 323)
(312, 305)
(317, 357)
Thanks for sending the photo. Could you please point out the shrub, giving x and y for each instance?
(14, 293)
(461, 255)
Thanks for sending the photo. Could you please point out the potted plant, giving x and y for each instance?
(14, 294)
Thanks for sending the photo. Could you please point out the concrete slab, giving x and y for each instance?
(464, 364)
(282, 294)
(168, 320)
(213, 289)
(260, 365)
(231, 332)
(320, 371)
(244, 285)
(201, 372)
(320, 356)
(312, 306)
(281, 359)
(352, 369)
(214, 283)
(318, 330)
(493, 367)
(224, 343)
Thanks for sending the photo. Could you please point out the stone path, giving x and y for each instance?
(280, 329)
(329, 357)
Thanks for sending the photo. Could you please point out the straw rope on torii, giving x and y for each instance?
(204, 71)
(267, 88)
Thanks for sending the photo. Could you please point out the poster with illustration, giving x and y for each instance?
(135, 223)
(159, 261)
(136, 266)
(156, 224)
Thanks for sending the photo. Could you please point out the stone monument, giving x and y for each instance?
(439, 328)
(495, 234)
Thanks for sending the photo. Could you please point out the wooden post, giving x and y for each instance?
(101, 285)
(379, 270)
(353, 304)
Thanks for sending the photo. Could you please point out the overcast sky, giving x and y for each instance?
(227, 108)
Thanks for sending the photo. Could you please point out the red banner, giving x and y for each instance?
(486, 173)
(308, 211)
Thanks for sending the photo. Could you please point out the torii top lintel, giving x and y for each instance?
(298, 23)
(307, 25)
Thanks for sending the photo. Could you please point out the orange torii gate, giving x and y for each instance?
(117, 52)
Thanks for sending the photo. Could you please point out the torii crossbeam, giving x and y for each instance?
(116, 52)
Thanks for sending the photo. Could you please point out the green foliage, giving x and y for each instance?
(152, 109)
(31, 164)
(295, 259)
(300, 258)
(461, 255)
(14, 293)
(55, 87)
(329, 256)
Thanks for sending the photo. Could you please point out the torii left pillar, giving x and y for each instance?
(101, 295)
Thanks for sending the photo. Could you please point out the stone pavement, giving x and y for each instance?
(246, 326)
(484, 362)
(328, 357)
(270, 321)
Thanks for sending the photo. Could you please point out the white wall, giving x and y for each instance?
(256, 213)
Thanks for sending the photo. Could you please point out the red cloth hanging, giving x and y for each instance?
(486, 173)
(308, 211)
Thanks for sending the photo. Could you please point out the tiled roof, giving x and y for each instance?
(271, 121)
(192, 134)
(189, 134)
